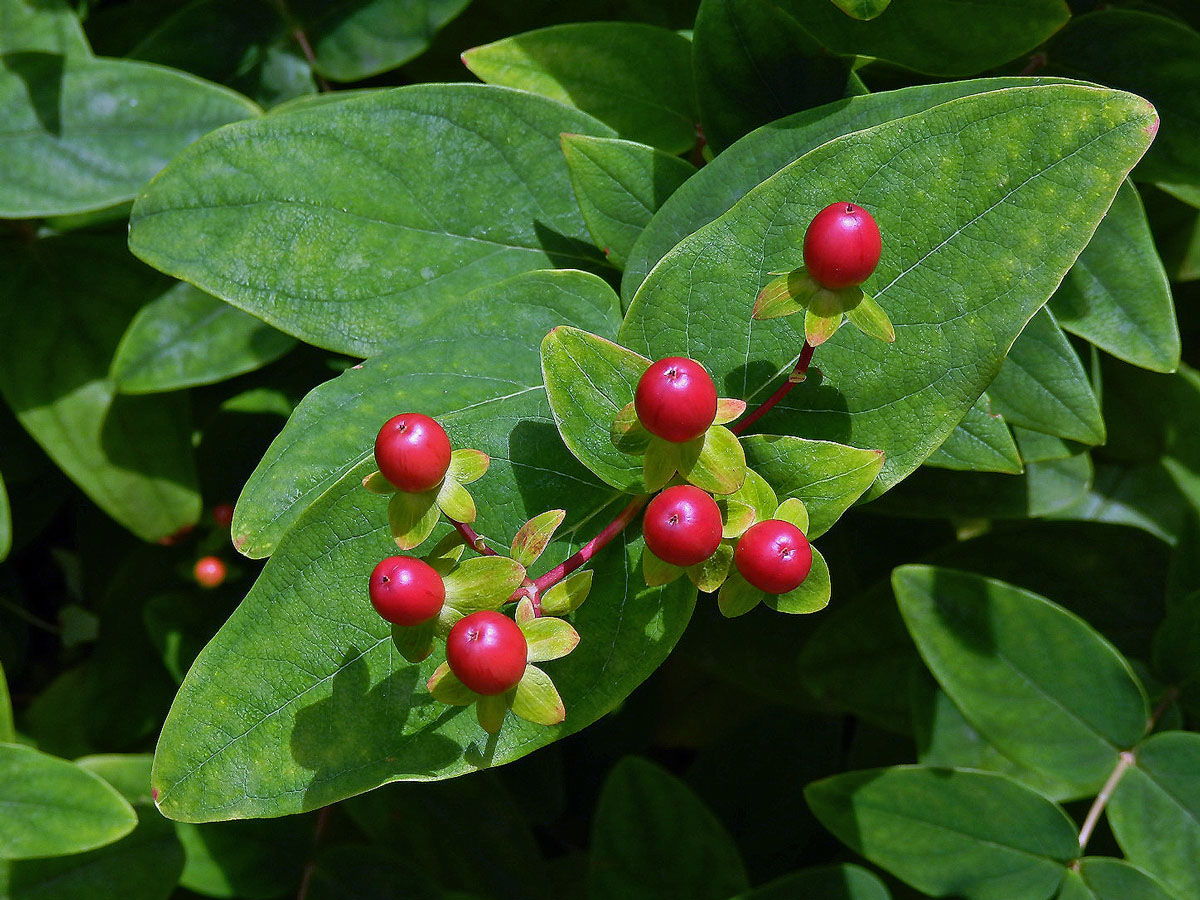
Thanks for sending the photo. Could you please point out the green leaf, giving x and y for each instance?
(653, 839)
(754, 64)
(49, 26)
(549, 638)
(381, 240)
(636, 78)
(1155, 811)
(827, 477)
(531, 540)
(226, 859)
(619, 185)
(1042, 385)
(839, 882)
(950, 832)
(917, 35)
(69, 299)
(5, 524)
(1177, 648)
(1117, 295)
(1034, 679)
(62, 808)
(812, 595)
(919, 387)
(368, 872)
(536, 700)
(1097, 878)
(714, 462)
(484, 582)
(186, 338)
(412, 517)
(1036, 446)
(437, 370)
(7, 731)
(862, 9)
(589, 380)
(61, 114)
(566, 596)
(980, 443)
(1081, 50)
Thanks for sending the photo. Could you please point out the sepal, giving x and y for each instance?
(536, 699)
(657, 572)
(549, 638)
(534, 536)
(567, 596)
(869, 318)
(415, 642)
(714, 462)
(468, 465)
(456, 501)
(709, 575)
(412, 517)
(738, 596)
(446, 688)
(483, 582)
(377, 484)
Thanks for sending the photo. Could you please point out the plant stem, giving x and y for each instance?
(1093, 815)
(36, 621)
(301, 39)
(474, 541)
(797, 375)
(318, 833)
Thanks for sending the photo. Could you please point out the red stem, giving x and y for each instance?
(474, 541)
(798, 375)
(592, 547)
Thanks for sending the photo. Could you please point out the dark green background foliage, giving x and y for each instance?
(238, 235)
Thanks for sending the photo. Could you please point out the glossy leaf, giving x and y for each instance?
(186, 338)
(653, 839)
(7, 732)
(63, 808)
(944, 286)
(1117, 295)
(636, 78)
(1038, 682)
(619, 185)
(1042, 385)
(754, 64)
(981, 442)
(49, 26)
(1155, 811)
(915, 34)
(862, 9)
(950, 832)
(1098, 878)
(436, 370)
(839, 882)
(69, 299)
(61, 114)
(411, 198)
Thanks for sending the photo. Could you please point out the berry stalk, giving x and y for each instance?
(592, 547)
(471, 536)
(798, 375)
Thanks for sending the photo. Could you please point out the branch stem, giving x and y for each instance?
(318, 833)
(474, 541)
(798, 374)
(1093, 815)
(592, 547)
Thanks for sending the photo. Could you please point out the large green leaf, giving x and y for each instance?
(962, 269)
(839, 882)
(385, 208)
(1037, 681)
(5, 523)
(225, 859)
(1042, 385)
(464, 368)
(1084, 49)
(653, 839)
(636, 78)
(934, 37)
(1117, 295)
(981, 442)
(49, 26)
(1098, 878)
(64, 303)
(186, 338)
(755, 64)
(7, 731)
(1155, 811)
(52, 807)
(619, 185)
(950, 832)
(79, 133)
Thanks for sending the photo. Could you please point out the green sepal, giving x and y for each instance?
(869, 318)
(377, 484)
(756, 493)
(811, 596)
(709, 575)
(415, 642)
(490, 710)
(446, 553)
(566, 596)
(525, 613)
(655, 571)
(714, 462)
(446, 619)
(533, 537)
(483, 582)
(660, 463)
(627, 432)
(549, 638)
(794, 511)
(412, 517)
(787, 295)
(535, 698)
(728, 409)
(446, 688)
(738, 596)
(468, 465)
(818, 328)
(736, 517)
(456, 501)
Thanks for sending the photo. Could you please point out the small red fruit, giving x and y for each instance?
(842, 246)
(487, 651)
(774, 556)
(413, 452)
(209, 572)
(222, 514)
(406, 591)
(682, 525)
(676, 399)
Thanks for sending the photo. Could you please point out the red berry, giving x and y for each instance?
(222, 514)
(413, 452)
(209, 572)
(774, 556)
(406, 591)
(842, 246)
(676, 399)
(682, 525)
(487, 651)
